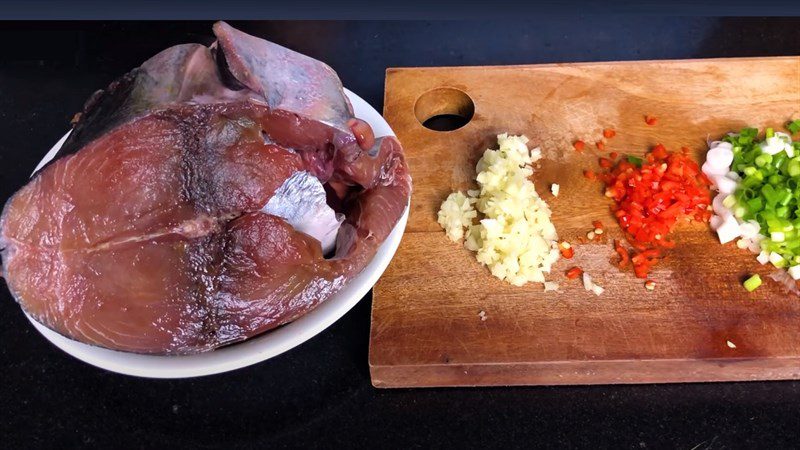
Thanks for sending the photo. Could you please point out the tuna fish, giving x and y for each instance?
(208, 196)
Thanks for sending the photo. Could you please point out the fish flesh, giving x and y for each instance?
(205, 197)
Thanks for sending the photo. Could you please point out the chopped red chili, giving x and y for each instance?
(567, 251)
(651, 199)
(574, 272)
(624, 258)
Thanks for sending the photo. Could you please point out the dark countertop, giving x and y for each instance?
(319, 394)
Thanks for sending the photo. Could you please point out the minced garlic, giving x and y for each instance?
(515, 238)
(456, 214)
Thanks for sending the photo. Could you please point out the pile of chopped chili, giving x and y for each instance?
(650, 196)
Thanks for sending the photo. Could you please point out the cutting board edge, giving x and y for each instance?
(580, 373)
(392, 70)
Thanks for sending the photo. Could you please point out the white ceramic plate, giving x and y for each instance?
(256, 349)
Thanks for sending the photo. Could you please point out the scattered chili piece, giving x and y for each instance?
(579, 145)
(608, 133)
(567, 251)
(644, 260)
(597, 224)
(624, 258)
(613, 155)
(650, 120)
(589, 174)
(600, 145)
(574, 272)
(659, 152)
(605, 163)
(650, 285)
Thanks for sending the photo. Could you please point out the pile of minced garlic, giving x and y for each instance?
(515, 238)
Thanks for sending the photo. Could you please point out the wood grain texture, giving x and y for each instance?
(425, 325)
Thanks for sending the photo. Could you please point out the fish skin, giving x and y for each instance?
(184, 73)
(287, 80)
(301, 201)
(147, 233)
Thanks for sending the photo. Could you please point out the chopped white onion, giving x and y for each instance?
(783, 277)
(711, 170)
(587, 281)
(728, 230)
(724, 184)
(720, 156)
(775, 258)
(715, 222)
(550, 286)
(763, 258)
(718, 204)
(749, 229)
(777, 143)
(589, 285)
(733, 176)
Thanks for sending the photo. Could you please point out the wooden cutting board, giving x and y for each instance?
(698, 325)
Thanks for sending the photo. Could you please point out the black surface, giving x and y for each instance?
(319, 394)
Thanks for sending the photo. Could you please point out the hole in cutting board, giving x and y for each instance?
(444, 109)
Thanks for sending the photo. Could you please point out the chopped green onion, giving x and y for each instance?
(768, 192)
(755, 204)
(794, 126)
(793, 168)
(752, 283)
(779, 160)
(635, 161)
